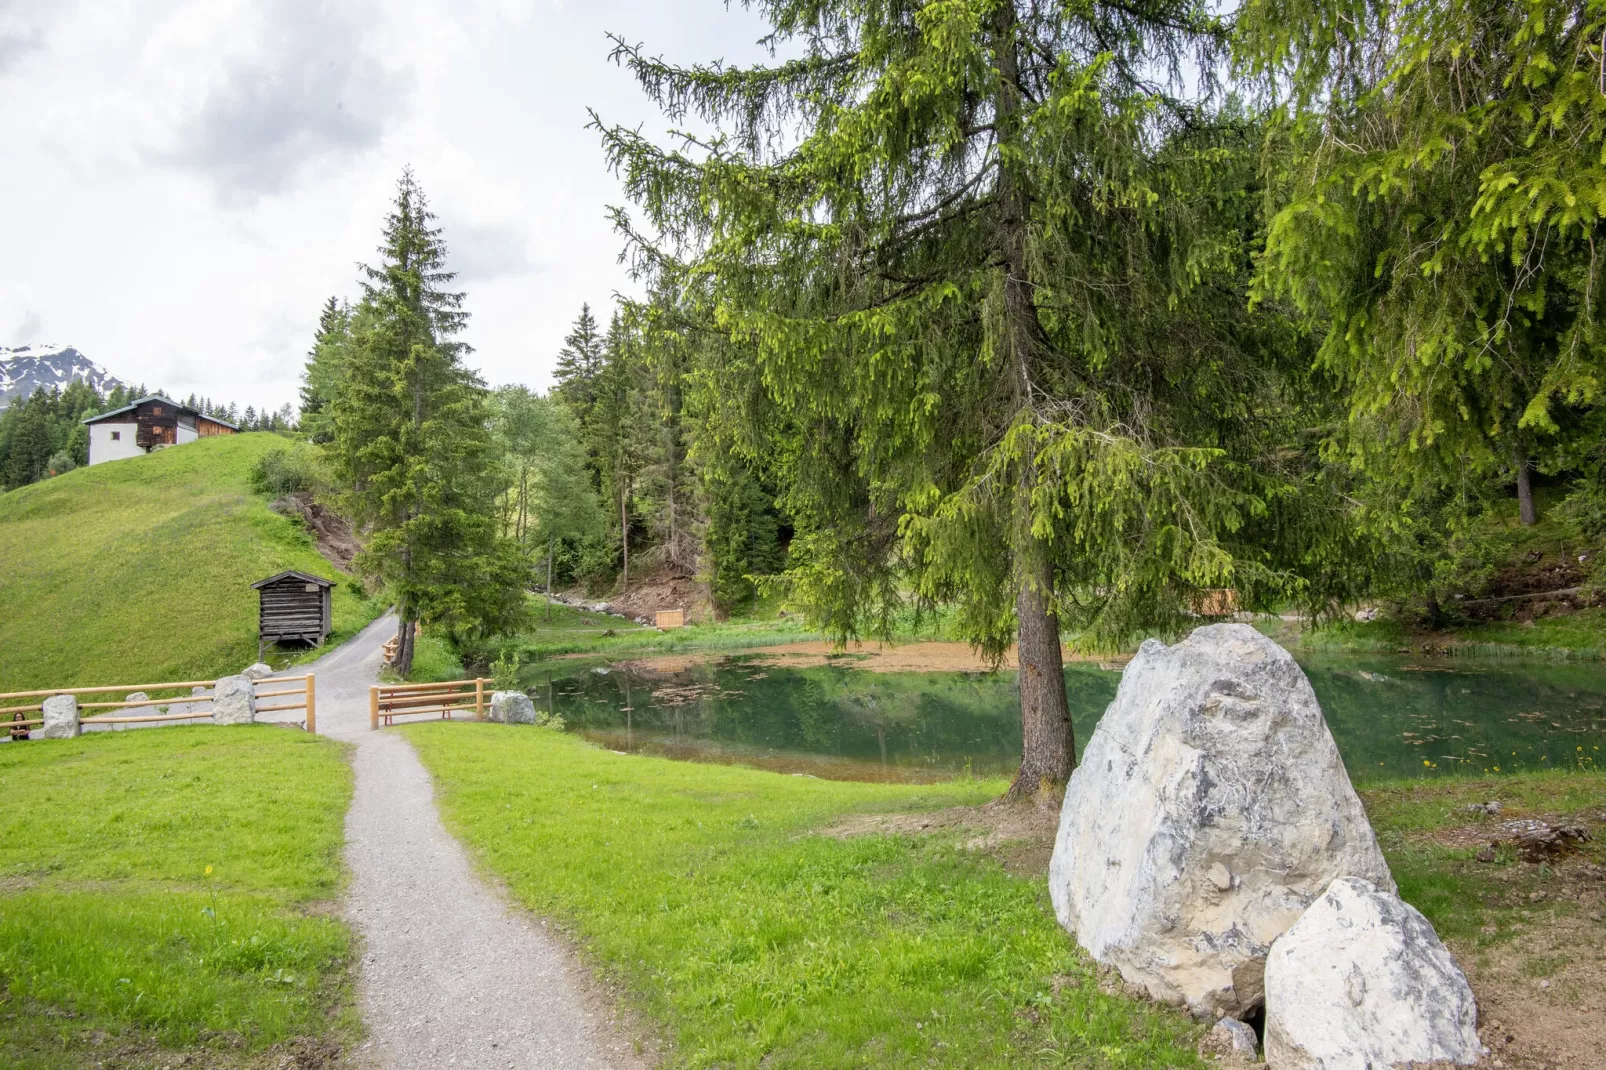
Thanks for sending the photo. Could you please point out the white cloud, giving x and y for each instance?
(199, 175)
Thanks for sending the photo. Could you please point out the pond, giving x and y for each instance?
(1391, 717)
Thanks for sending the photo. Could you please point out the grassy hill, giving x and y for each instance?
(141, 570)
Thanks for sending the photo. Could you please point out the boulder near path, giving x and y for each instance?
(452, 973)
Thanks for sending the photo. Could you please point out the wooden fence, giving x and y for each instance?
(387, 701)
(13, 718)
(392, 644)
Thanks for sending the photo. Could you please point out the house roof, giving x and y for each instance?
(166, 401)
(305, 577)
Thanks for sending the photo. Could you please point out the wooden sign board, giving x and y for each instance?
(670, 618)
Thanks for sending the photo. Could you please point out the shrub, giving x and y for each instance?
(286, 471)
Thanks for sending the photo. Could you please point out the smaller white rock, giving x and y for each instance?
(1361, 980)
(259, 671)
(134, 711)
(60, 716)
(1242, 1037)
(234, 701)
(512, 707)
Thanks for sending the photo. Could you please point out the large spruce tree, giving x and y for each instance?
(981, 265)
(325, 368)
(412, 443)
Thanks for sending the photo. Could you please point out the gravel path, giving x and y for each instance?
(451, 974)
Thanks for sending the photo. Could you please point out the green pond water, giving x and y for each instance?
(1391, 717)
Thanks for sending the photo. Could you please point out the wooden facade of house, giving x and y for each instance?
(148, 424)
(295, 607)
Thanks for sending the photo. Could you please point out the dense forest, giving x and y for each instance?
(1061, 318)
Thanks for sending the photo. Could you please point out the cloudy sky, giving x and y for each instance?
(185, 181)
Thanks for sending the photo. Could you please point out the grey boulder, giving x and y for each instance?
(234, 701)
(1362, 981)
(512, 707)
(60, 716)
(259, 671)
(1211, 807)
(134, 711)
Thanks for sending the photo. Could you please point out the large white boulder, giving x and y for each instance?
(1361, 981)
(1211, 807)
(234, 700)
(60, 716)
(512, 707)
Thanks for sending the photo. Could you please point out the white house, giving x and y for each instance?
(147, 424)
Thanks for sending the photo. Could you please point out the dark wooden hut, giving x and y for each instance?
(294, 606)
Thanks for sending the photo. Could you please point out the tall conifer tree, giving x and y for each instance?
(412, 443)
(987, 265)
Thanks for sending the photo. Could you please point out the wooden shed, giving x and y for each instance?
(295, 606)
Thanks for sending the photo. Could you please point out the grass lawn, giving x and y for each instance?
(700, 889)
(139, 571)
(1581, 634)
(115, 941)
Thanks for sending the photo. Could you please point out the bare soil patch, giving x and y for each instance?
(1542, 995)
(331, 532)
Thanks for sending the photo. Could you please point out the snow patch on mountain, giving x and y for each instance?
(24, 369)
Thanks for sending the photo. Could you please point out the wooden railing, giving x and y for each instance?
(12, 719)
(308, 692)
(387, 701)
(389, 650)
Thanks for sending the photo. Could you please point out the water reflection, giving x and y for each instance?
(1390, 717)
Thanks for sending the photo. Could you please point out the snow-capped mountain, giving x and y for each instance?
(28, 368)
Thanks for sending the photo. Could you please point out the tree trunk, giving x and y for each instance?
(549, 540)
(624, 537)
(405, 633)
(1048, 752)
(1525, 492)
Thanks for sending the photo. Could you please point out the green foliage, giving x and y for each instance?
(297, 468)
(158, 891)
(325, 371)
(43, 435)
(549, 497)
(981, 288)
(743, 534)
(178, 531)
(704, 891)
(1435, 200)
(412, 449)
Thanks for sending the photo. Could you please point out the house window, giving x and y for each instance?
(156, 410)
(117, 436)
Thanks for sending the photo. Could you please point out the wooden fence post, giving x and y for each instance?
(373, 708)
(479, 699)
(312, 704)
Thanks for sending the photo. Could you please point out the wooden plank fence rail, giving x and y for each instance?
(388, 701)
(18, 726)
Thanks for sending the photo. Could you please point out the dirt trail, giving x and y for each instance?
(452, 974)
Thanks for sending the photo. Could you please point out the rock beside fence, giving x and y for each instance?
(1210, 809)
(60, 717)
(134, 711)
(234, 701)
(512, 707)
(259, 671)
(1362, 980)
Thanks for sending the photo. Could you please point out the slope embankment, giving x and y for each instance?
(141, 570)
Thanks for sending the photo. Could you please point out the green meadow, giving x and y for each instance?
(140, 570)
(168, 893)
